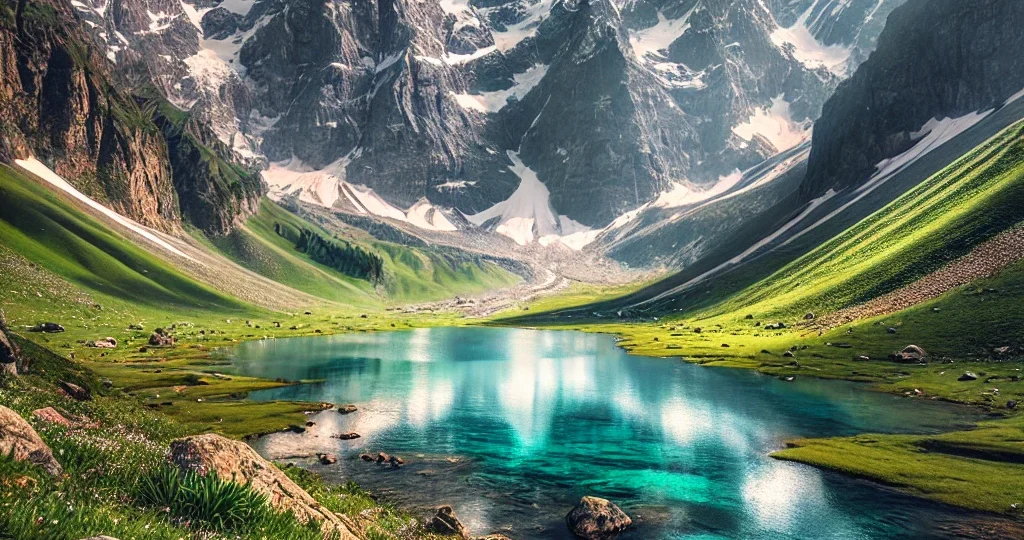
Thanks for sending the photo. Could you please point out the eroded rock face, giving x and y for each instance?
(231, 459)
(595, 518)
(18, 439)
(935, 59)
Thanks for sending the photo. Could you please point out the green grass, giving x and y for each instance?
(941, 219)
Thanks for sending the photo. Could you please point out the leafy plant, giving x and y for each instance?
(217, 504)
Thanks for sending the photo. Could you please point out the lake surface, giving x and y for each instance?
(511, 427)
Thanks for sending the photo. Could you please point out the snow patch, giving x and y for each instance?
(776, 125)
(683, 194)
(651, 41)
(513, 34)
(325, 187)
(527, 215)
(37, 168)
(490, 102)
(808, 51)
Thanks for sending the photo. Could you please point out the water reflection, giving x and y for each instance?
(513, 426)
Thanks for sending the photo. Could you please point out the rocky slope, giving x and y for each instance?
(940, 66)
(61, 102)
(505, 110)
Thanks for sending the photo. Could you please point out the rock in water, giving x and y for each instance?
(597, 519)
(327, 459)
(236, 460)
(446, 522)
(20, 441)
(347, 409)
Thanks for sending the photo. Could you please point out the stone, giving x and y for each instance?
(862, 358)
(1011, 404)
(366, 457)
(50, 415)
(809, 316)
(968, 376)
(238, 462)
(327, 459)
(47, 327)
(19, 441)
(346, 436)
(596, 519)
(100, 537)
(891, 330)
(160, 338)
(910, 353)
(788, 354)
(76, 392)
(447, 523)
(383, 458)
(1001, 351)
(104, 343)
(9, 353)
(347, 409)
(725, 345)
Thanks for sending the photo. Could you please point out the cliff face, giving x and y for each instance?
(56, 102)
(60, 102)
(427, 99)
(935, 59)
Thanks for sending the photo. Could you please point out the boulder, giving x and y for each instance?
(382, 457)
(968, 376)
(50, 415)
(74, 391)
(366, 457)
(596, 519)
(9, 352)
(327, 459)
(47, 327)
(910, 353)
(447, 523)
(347, 409)
(160, 339)
(20, 441)
(237, 461)
(788, 354)
(105, 343)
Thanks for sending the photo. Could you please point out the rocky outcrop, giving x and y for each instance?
(597, 519)
(235, 460)
(9, 351)
(447, 523)
(20, 441)
(935, 59)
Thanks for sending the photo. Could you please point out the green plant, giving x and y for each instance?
(213, 503)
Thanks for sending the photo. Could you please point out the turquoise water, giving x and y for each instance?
(512, 427)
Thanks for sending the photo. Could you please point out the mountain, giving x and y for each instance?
(941, 66)
(501, 110)
(939, 86)
(64, 105)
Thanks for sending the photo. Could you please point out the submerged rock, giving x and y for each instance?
(597, 519)
(19, 441)
(327, 459)
(347, 409)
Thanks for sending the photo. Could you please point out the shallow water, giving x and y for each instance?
(511, 427)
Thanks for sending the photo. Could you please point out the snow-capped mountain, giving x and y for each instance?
(535, 119)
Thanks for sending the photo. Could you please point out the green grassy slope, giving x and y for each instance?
(411, 274)
(938, 221)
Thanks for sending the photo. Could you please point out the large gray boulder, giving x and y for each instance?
(595, 518)
(19, 440)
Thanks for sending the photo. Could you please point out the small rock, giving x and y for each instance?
(788, 354)
(47, 327)
(105, 343)
(968, 376)
(788, 378)
(327, 459)
(366, 457)
(1011, 404)
(76, 392)
(862, 358)
(749, 317)
(698, 330)
(809, 316)
(345, 436)
(725, 345)
(50, 415)
(19, 441)
(891, 330)
(347, 409)
(596, 519)
(383, 458)
(446, 522)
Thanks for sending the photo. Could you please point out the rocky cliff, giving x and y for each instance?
(936, 59)
(462, 103)
(61, 102)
